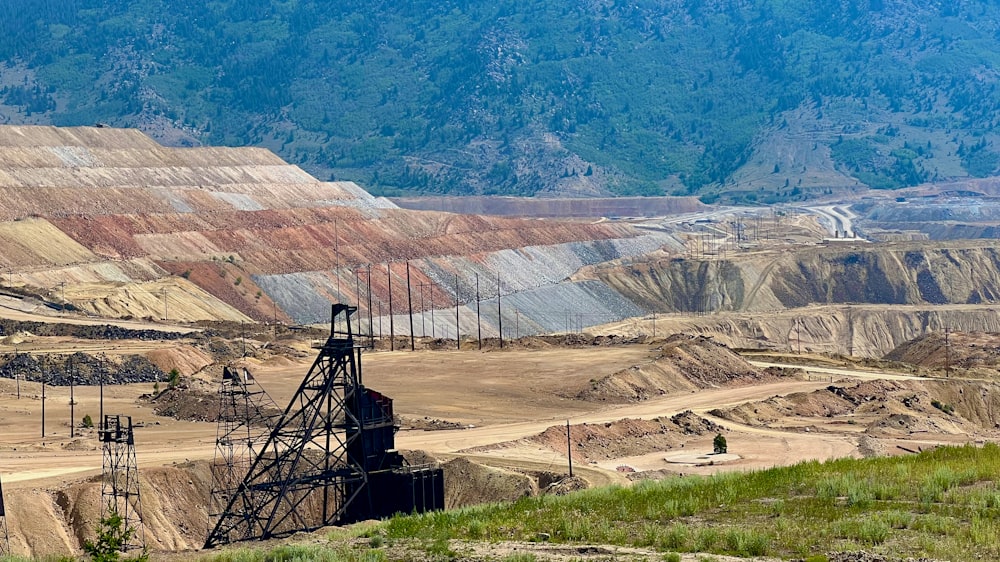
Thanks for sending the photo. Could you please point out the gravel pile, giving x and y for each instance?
(82, 369)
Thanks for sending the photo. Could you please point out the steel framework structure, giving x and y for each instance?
(120, 479)
(308, 472)
(245, 412)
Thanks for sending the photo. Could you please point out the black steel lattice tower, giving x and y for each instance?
(245, 412)
(4, 537)
(120, 481)
(312, 466)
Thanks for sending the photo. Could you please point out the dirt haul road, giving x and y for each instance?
(512, 395)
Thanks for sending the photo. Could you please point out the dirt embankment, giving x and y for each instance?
(626, 438)
(975, 353)
(684, 363)
(881, 409)
(175, 499)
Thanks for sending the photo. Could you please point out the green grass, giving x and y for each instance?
(943, 503)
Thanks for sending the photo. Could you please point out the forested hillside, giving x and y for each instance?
(754, 99)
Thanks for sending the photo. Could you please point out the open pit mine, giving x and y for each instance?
(169, 287)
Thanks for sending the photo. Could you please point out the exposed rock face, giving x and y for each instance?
(965, 272)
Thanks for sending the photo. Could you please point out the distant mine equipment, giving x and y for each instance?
(4, 537)
(120, 478)
(330, 458)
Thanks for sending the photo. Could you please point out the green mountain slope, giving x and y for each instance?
(756, 100)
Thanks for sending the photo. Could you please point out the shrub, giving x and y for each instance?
(88, 422)
(174, 378)
(719, 444)
(112, 536)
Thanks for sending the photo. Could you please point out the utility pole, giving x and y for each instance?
(499, 312)
(479, 323)
(336, 251)
(392, 325)
(45, 363)
(104, 368)
(409, 305)
(458, 334)
(371, 320)
(433, 332)
(357, 295)
(163, 291)
(62, 306)
(72, 401)
(569, 449)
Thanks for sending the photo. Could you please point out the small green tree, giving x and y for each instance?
(719, 444)
(174, 378)
(88, 422)
(112, 536)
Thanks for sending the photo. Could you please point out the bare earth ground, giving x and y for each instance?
(501, 398)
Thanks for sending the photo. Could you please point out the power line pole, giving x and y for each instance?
(45, 363)
(458, 334)
(72, 401)
(479, 323)
(569, 449)
(371, 320)
(499, 312)
(336, 251)
(409, 305)
(392, 324)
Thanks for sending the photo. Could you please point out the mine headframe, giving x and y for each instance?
(333, 440)
(120, 478)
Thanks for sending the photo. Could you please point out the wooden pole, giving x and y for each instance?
(392, 324)
(409, 305)
(499, 313)
(569, 449)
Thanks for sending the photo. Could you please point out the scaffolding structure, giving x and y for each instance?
(245, 412)
(334, 438)
(120, 479)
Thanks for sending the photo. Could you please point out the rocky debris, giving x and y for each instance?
(427, 423)
(83, 369)
(863, 556)
(197, 400)
(103, 332)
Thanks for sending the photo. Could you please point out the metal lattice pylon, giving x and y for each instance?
(245, 412)
(120, 481)
(303, 477)
(4, 537)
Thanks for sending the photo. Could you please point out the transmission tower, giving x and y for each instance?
(120, 480)
(245, 412)
(4, 537)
